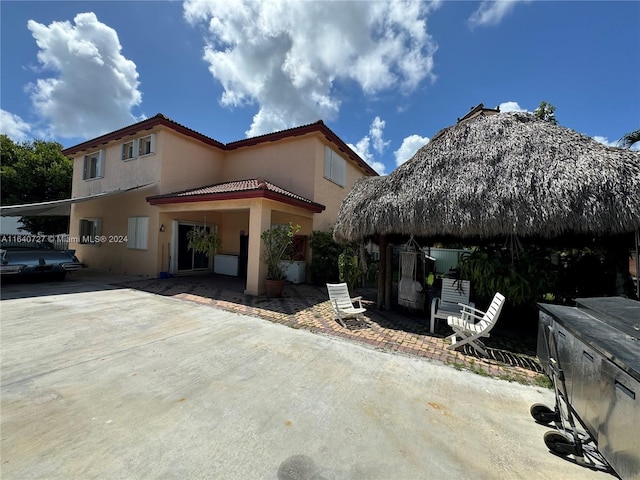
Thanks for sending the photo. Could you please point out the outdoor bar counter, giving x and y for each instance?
(598, 350)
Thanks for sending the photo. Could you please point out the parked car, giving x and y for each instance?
(29, 258)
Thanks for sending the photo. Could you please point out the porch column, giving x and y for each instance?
(259, 221)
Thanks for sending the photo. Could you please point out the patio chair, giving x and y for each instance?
(473, 324)
(342, 303)
(454, 292)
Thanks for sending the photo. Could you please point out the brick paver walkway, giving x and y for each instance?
(307, 307)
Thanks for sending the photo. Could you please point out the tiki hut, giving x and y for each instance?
(498, 175)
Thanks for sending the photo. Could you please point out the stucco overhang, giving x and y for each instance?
(237, 190)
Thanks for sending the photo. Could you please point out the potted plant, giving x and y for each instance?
(203, 240)
(277, 242)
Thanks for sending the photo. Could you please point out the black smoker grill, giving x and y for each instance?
(592, 354)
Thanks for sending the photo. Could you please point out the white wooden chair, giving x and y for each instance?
(473, 324)
(342, 303)
(454, 292)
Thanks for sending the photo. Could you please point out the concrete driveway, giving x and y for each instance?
(100, 382)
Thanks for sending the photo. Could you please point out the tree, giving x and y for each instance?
(546, 112)
(33, 172)
(629, 139)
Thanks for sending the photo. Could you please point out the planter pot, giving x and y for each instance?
(274, 288)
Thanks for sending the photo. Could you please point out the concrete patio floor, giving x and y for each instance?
(106, 381)
(307, 307)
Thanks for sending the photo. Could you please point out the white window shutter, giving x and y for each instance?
(340, 170)
(131, 233)
(153, 143)
(142, 232)
(138, 233)
(100, 169)
(327, 162)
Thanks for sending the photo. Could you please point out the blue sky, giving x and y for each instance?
(384, 76)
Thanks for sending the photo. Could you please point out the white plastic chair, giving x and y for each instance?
(454, 292)
(473, 324)
(342, 303)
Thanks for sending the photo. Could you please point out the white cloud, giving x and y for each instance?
(410, 145)
(375, 139)
(14, 127)
(288, 56)
(491, 12)
(605, 141)
(376, 131)
(511, 107)
(95, 86)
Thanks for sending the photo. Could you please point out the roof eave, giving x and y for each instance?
(317, 127)
(136, 128)
(215, 197)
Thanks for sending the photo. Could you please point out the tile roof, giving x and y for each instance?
(158, 119)
(238, 189)
(161, 119)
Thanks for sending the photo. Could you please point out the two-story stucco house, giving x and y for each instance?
(171, 179)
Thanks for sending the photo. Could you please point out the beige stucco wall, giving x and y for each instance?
(288, 163)
(328, 193)
(296, 164)
(187, 163)
(118, 174)
(231, 223)
(113, 254)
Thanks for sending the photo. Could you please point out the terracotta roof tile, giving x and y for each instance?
(221, 191)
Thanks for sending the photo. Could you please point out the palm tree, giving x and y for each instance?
(629, 139)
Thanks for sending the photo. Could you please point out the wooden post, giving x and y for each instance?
(388, 276)
(381, 267)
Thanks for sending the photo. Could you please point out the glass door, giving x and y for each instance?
(188, 260)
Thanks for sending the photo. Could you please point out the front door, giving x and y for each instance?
(188, 260)
(243, 257)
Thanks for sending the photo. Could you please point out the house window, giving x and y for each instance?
(128, 150)
(335, 167)
(93, 165)
(147, 145)
(137, 233)
(89, 231)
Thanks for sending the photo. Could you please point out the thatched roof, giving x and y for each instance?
(496, 175)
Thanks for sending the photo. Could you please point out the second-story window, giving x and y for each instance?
(93, 165)
(335, 167)
(139, 147)
(128, 150)
(147, 145)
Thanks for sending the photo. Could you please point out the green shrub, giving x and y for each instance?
(324, 258)
(348, 269)
(523, 277)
